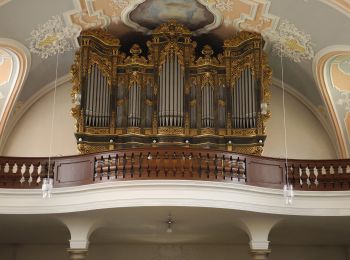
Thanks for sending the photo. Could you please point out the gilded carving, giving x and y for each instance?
(170, 130)
(207, 131)
(97, 131)
(92, 148)
(219, 71)
(134, 130)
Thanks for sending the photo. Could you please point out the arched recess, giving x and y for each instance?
(333, 82)
(14, 66)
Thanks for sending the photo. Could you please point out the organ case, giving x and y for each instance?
(169, 96)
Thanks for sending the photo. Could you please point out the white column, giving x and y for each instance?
(261, 254)
(258, 227)
(80, 229)
(77, 254)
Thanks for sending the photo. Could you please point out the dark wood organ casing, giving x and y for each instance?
(170, 96)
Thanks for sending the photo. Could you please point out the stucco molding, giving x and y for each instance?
(145, 193)
(318, 68)
(24, 62)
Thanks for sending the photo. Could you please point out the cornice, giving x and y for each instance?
(164, 193)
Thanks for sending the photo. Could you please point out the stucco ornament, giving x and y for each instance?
(224, 5)
(288, 41)
(121, 3)
(51, 38)
(344, 101)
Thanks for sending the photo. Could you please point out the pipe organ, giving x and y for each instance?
(169, 95)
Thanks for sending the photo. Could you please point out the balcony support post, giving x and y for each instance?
(80, 229)
(260, 254)
(258, 228)
(77, 254)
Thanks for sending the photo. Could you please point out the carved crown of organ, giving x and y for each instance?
(170, 96)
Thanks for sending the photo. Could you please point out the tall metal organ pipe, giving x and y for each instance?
(207, 106)
(244, 101)
(171, 81)
(97, 110)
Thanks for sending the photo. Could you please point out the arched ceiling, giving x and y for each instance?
(294, 29)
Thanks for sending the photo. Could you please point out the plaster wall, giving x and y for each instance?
(306, 137)
(171, 252)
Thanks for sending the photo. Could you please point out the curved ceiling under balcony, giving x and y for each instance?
(301, 27)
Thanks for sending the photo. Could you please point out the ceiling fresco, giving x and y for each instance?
(150, 14)
(296, 30)
(332, 71)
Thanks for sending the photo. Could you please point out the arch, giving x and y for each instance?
(16, 59)
(322, 66)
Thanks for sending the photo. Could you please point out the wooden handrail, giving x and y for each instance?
(179, 163)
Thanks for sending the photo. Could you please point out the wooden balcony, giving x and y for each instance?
(180, 163)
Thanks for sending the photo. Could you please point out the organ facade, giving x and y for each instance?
(168, 94)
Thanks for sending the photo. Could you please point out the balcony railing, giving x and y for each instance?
(174, 163)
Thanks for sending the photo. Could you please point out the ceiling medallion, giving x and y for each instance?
(51, 38)
(288, 41)
(199, 16)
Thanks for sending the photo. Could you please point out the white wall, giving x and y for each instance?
(31, 136)
(307, 138)
(171, 252)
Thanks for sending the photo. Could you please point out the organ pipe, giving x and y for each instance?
(170, 95)
(244, 101)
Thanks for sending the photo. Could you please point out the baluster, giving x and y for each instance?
(34, 174)
(124, 165)
(140, 165)
(321, 177)
(95, 169)
(312, 178)
(109, 161)
(191, 168)
(149, 164)
(132, 162)
(231, 168)
(338, 177)
(183, 165)
(175, 162)
(329, 177)
(216, 171)
(29, 170)
(39, 171)
(291, 178)
(207, 162)
(166, 164)
(239, 170)
(245, 169)
(200, 165)
(223, 169)
(117, 169)
(345, 176)
(101, 167)
(158, 164)
(303, 177)
(307, 172)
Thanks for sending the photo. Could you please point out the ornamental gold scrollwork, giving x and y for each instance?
(243, 132)
(170, 130)
(97, 131)
(92, 148)
(134, 130)
(254, 150)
